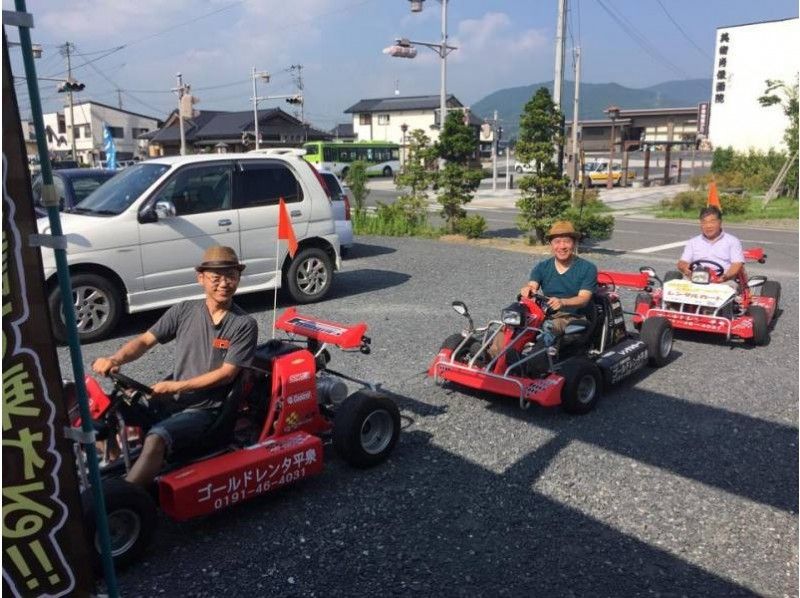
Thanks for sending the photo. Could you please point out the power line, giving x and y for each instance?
(686, 35)
(628, 28)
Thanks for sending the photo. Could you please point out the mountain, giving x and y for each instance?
(595, 97)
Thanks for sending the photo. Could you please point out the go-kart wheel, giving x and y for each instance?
(657, 335)
(130, 383)
(772, 289)
(672, 275)
(132, 519)
(582, 386)
(366, 428)
(760, 325)
(452, 341)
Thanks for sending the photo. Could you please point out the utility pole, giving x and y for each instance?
(65, 51)
(119, 97)
(298, 81)
(442, 94)
(558, 75)
(180, 90)
(575, 105)
(494, 152)
(264, 75)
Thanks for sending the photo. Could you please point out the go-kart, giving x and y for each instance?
(269, 433)
(594, 351)
(703, 304)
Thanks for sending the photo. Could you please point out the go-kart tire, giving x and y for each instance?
(132, 518)
(582, 385)
(760, 325)
(772, 289)
(98, 313)
(657, 335)
(452, 341)
(309, 275)
(366, 428)
(672, 275)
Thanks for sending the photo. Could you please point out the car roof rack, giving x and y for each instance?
(279, 151)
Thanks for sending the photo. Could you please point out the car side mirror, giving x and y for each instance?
(649, 271)
(165, 209)
(460, 308)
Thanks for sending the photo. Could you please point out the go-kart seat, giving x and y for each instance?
(588, 324)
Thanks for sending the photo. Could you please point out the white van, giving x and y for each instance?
(132, 245)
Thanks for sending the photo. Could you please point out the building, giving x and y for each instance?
(390, 119)
(219, 131)
(745, 57)
(343, 132)
(90, 117)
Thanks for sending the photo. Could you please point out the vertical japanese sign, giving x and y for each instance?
(44, 547)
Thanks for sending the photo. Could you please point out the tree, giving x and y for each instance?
(780, 92)
(416, 176)
(545, 194)
(356, 179)
(456, 182)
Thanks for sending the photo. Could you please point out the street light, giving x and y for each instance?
(403, 129)
(613, 113)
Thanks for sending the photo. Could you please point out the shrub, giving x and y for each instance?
(593, 223)
(686, 201)
(472, 227)
(391, 220)
(734, 204)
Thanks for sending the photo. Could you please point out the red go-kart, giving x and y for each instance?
(269, 433)
(702, 304)
(594, 351)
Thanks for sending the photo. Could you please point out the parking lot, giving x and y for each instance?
(683, 481)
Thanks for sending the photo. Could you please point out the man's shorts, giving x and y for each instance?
(184, 429)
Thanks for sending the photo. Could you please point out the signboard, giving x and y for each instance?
(702, 118)
(705, 295)
(44, 547)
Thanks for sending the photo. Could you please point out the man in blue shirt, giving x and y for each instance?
(565, 278)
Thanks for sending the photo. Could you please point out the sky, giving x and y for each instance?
(138, 47)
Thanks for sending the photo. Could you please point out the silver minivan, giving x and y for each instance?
(132, 245)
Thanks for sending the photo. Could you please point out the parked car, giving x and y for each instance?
(72, 185)
(340, 200)
(526, 167)
(597, 174)
(133, 244)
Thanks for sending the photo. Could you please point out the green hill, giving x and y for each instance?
(595, 97)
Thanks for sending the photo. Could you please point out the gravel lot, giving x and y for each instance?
(683, 481)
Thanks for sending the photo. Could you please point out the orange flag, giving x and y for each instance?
(713, 198)
(285, 230)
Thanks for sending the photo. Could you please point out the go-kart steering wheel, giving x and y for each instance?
(541, 301)
(129, 383)
(718, 269)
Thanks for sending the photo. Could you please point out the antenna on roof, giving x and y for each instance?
(397, 87)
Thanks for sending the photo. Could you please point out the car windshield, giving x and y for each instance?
(82, 187)
(116, 195)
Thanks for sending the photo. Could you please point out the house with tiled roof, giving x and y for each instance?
(390, 119)
(216, 130)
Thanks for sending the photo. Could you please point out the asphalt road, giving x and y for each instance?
(683, 481)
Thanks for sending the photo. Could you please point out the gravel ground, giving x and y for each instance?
(683, 481)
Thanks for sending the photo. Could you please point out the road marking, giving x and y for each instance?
(660, 247)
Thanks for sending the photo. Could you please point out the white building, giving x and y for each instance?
(383, 119)
(746, 56)
(90, 116)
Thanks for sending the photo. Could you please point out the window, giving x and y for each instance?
(87, 131)
(312, 149)
(197, 190)
(62, 125)
(264, 183)
(383, 119)
(136, 131)
(123, 189)
(365, 119)
(85, 185)
(330, 154)
(333, 184)
(117, 132)
(76, 131)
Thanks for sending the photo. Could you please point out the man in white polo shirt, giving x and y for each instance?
(715, 245)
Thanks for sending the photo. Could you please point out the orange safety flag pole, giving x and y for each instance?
(713, 198)
(285, 230)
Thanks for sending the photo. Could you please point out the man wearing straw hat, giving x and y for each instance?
(568, 281)
(214, 340)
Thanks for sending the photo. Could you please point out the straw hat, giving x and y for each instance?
(562, 228)
(219, 257)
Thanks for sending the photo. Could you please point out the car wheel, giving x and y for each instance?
(518, 169)
(366, 428)
(387, 171)
(309, 276)
(657, 335)
(772, 289)
(760, 325)
(345, 170)
(97, 305)
(132, 518)
(582, 386)
(672, 275)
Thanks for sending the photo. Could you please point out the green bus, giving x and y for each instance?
(382, 157)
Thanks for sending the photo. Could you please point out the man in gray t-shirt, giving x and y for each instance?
(214, 339)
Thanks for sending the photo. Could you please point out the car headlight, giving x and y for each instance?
(701, 277)
(511, 317)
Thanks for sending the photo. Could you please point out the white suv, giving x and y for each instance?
(133, 244)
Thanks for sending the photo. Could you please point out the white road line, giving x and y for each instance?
(660, 247)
